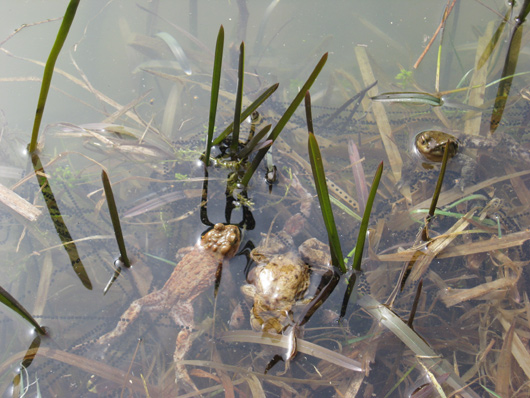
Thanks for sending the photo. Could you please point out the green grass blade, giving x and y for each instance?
(494, 40)
(437, 191)
(48, 70)
(437, 364)
(510, 66)
(325, 204)
(409, 97)
(493, 393)
(401, 380)
(216, 81)
(345, 208)
(438, 188)
(284, 119)
(30, 353)
(113, 211)
(253, 142)
(239, 98)
(247, 112)
(359, 247)
(319, 177)
(525, 9)
(58, 222)
(12, 303)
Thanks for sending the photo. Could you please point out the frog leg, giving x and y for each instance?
(469, 170)
(182, 315)
(151, 301)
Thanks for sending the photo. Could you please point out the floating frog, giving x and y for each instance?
(427, 149)
(192, 276)
(428, 145)
(281, 279)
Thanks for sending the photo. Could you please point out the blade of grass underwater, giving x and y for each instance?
(216, 80)
(12, 303)
(380, 115)
(113, 211)
(243, 153)
(448, 9)
(344, 208)
(437, 190)
(30, 353)
(476, 96)
(48, 69)
(409, 97)
(319, 177)
(359, 245)
(58, 222)
(247, 112)
(305, 347)
(401, 380)
(357, 97)
(429, 357)
(366, 217)
(284, 119)
(358, 175)
(177, 51)
(509, 68)
(494, 39)
(239, 98)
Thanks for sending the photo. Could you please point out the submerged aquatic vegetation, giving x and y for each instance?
(9, 301)
(405, 79)
(216, 78)
(59, 224)
(472, 270)
(319, 178)
(48, 70)
(284, 119)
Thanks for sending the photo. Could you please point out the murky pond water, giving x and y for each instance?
(131, 95)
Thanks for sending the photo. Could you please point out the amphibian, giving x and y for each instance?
(281, 278)
(193, 275)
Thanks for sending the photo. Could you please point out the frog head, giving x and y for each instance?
(222, 239)
(430, 145)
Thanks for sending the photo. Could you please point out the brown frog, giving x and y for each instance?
(428, 147)
(281, 278)
(193, 275)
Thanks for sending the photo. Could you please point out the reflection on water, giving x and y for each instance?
(135, 101)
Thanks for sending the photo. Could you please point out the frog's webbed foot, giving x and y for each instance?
(468, 172)
(291, 333)
(182, 315)
(315, 253)
(96, 349)
(306, 199)
(129, 316)
(91, 350)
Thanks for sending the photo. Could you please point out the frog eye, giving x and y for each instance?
(426, 137)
